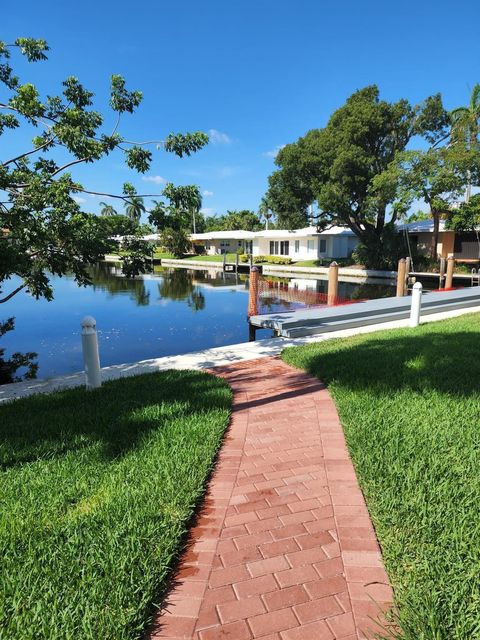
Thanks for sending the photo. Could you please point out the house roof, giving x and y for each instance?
(421, 226)
(223, 235)
(270, 233)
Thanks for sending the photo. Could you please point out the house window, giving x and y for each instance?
(310, 245)
(239, 243)
(274, 247)
(323, 245)
(297, 246)
(284, 247)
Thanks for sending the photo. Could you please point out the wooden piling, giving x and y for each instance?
(236, 263)
(402, 269)
(253, 292)
(332, 294)
(450, 268)
(224, 260)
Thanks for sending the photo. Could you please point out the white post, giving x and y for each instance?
(416, 304)
(91, 359)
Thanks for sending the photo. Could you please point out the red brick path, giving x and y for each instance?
(284, 548)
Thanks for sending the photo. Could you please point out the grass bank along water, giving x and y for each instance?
(409, 403)
(97, 491)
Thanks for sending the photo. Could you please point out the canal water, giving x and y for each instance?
(165, 313)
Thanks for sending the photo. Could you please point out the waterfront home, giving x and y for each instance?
(298, 244)
(462, 246)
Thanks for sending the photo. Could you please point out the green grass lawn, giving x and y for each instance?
(215, 258)
(409, 402)
(96, 491)
(159, 255)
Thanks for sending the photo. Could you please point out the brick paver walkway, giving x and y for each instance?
(284, 548)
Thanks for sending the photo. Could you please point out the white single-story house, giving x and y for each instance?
(298, 244)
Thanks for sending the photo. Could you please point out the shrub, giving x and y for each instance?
(175, 241)
(381, 252)
(279, 260)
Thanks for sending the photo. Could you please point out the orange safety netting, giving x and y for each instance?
(272, 296)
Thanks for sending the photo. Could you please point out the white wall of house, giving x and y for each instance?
(229, 245)
(303, 245)
(306, 247)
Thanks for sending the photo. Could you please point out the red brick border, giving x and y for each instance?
(284, 548)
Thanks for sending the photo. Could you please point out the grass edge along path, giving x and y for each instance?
(409, 403)
(97, 490)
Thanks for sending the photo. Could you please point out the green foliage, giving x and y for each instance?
(381, 251)
(44, 229)
(98, 489)
(466, 120)
(346, 166)
(185, 144)
(438, 176)
(24, 361)
(182, 212)
(134, 208)
(175, 241)
(243, 219)
(466, 217)
(117, 225)
(409, 405)
(266, 259)
(107, 209)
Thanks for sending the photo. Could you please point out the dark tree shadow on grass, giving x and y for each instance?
(119, 415)
(445, 362)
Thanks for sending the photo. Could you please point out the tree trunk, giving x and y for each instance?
(436, 233)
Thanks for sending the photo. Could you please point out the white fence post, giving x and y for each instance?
(416, 304)
(91, 359)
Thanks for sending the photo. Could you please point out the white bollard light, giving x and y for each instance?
(416, 304)
(91, 359)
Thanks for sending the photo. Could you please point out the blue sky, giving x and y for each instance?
(256, 74)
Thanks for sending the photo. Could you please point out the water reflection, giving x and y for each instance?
(179, 285)
(108, 277)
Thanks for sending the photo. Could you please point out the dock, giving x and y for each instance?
(307, 322)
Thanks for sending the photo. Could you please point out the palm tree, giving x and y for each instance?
(264, 210)
(134, 207)
(107, 209)
(194, 202)
(466, 126)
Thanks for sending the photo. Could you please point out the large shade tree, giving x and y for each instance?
(342, 167)
(44, 230)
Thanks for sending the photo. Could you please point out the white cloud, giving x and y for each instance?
(217, 137)
(79, 199)
(273, 153)
(154, 179)
(207, 211)
(207, 193)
